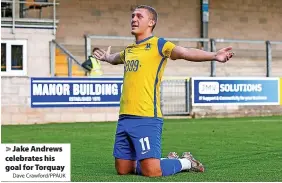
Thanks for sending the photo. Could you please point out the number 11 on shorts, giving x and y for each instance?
(145, 144)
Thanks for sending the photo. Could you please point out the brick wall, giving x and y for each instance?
(112, 17)
(240, 19)
(246, 19)
(236, 111)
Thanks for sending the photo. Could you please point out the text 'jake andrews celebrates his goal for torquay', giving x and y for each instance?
(137, 147)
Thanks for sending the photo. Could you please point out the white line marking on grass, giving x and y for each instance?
(266, 120)
(228, 120)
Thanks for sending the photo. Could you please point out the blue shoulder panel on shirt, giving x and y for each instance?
(161, 43)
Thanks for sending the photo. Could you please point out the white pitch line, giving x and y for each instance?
(229, 119)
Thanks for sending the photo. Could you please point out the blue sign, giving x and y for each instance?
(235, 91)
(75, 92)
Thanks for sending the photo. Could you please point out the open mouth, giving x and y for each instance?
(134, 26)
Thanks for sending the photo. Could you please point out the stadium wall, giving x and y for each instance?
(15, 90)
(240, 19)
(38, 63)
(219, 111)
(16, 108)
(235, 111)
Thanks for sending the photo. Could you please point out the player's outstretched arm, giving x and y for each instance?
(197, 55)
(106, 56)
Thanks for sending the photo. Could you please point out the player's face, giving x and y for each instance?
(141, 21)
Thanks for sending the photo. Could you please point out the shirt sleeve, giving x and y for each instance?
(165, 47)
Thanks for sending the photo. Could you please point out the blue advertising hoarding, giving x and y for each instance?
(210, 91)
(75, 92)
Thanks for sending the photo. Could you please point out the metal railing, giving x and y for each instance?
(269, 55)
(268, 50)
(19, 8)
(175, 97)
(88, 39)
(70, 58)
(213, 43)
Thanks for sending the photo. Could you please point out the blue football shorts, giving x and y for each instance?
(138, 138)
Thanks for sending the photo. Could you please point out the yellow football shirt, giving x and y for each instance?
(144, 64)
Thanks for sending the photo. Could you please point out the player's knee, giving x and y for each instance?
(124, 167)
(123, 171)
(151, 171)
(151, 168)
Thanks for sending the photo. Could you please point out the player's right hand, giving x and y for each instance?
(102, 54)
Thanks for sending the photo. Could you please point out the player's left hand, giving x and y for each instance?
(224, 54)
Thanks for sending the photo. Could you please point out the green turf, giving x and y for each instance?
(242, 149)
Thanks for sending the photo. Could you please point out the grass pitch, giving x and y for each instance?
(232, 149)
